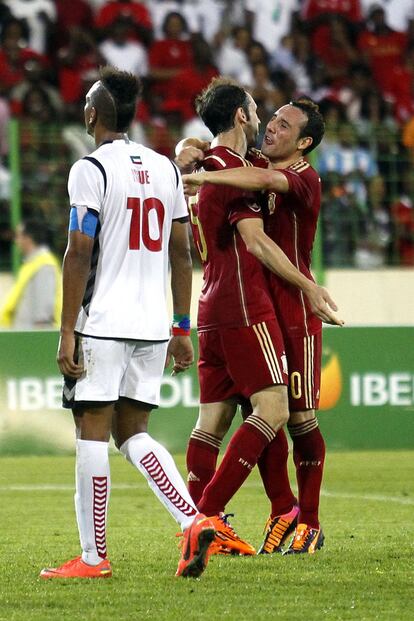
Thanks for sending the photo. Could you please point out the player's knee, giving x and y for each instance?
(272, 406)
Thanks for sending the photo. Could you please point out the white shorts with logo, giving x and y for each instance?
(116, 368)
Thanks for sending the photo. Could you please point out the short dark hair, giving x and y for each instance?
(315, 126)
(219, 102)
(116, 100)
(37, 230)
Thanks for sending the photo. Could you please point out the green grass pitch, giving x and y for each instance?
(364, 572)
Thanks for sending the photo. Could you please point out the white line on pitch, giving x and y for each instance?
(140, 485)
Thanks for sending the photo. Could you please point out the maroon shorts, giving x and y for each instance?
(304, 362)
(240, 361)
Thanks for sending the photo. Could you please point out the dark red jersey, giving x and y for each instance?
(235, 291)
(291, 222)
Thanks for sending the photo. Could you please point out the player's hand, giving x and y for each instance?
(323, 306)
(187, 157)
(65, 356)
(192, 182)
(180, 349)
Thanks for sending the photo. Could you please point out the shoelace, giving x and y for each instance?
(224, 519)
(301, 539)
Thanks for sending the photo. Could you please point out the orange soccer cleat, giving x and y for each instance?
(306, 540)
(195, 547)
(227, 540)
(76, 568)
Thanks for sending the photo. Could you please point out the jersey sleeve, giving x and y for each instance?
(86, 186)
(302, 185)
(180, 205)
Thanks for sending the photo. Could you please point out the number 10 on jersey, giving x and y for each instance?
(150, 209)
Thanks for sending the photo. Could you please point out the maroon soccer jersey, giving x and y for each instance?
(235, 291)
(291, 222)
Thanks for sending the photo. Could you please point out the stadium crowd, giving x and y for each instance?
(355, 58)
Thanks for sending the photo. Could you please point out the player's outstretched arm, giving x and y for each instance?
(273, 257)
(180, 347)
(76, 266)
(245, 178)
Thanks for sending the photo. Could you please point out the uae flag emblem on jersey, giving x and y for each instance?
(136, 159)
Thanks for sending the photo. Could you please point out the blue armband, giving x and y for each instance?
(83, 220)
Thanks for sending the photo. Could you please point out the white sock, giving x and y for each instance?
(158, 467)
(93, 483)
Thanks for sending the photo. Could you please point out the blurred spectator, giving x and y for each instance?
(39, 16)
(167, 58)
(381, 47)
(137, 12)
(317, 14)
(13, 55)
(398, 13)
(336, 49)
(352, 164)
(402, 211)
(35, 301)
(401, 86)
(77, 69)
(374, 236)
(231, 57)
(270, 21)
(340, 221)
(204, 17)
(38, 106)
(34, 77)
(119, 51)
(72, 14)
(193, 79)
(295, 57)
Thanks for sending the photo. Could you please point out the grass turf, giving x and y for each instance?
(364, 572)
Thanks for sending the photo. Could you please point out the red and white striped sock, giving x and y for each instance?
(158, 467)
(93, 483)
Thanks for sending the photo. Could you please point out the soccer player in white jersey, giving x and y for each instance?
(128, 217)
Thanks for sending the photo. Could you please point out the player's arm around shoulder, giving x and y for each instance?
(180, 347)
(250, 178)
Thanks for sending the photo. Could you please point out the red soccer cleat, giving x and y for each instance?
(195, 547)
(76, 568)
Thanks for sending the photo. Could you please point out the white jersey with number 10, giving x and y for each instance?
(136, 193)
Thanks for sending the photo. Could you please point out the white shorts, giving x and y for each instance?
(114, 369)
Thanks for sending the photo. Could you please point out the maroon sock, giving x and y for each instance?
(202, 452)
(309, 457)
(273, 470)
(241, 456)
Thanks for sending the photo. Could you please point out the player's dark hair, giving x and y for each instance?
(219, 102)
(116, 100)
(315, 125)
(37, 230)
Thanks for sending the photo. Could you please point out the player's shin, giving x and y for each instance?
(309, 458)
(158, 467)
(202, 452)
(91, 498)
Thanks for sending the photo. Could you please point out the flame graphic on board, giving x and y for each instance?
(331, 382)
